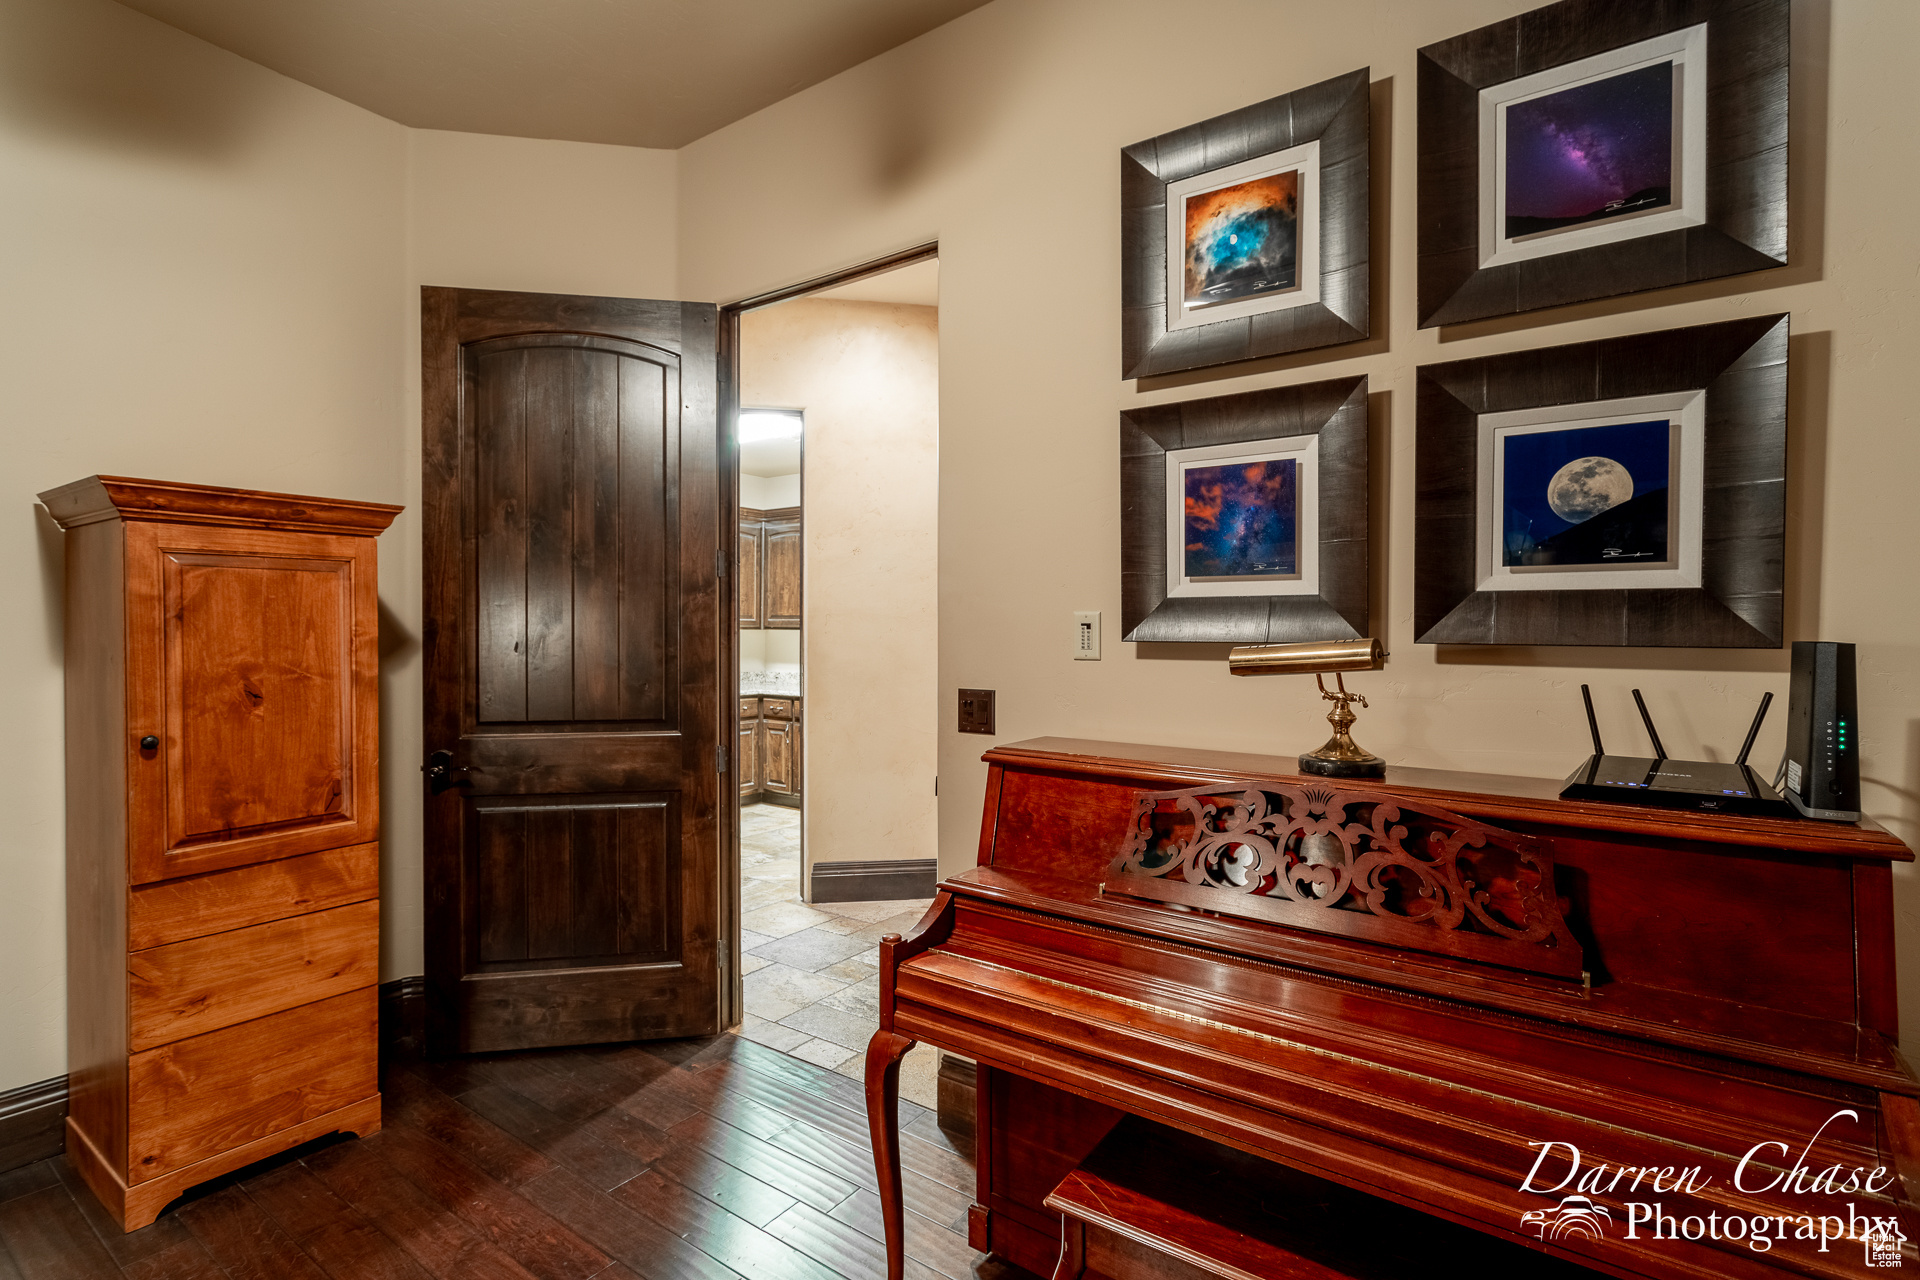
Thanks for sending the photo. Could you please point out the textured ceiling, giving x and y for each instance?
(642, 73)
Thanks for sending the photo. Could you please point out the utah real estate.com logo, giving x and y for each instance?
(1577, 1216)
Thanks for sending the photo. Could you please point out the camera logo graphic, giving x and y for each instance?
(1575, 1217)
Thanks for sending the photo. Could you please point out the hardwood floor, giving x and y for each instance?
(710, 1159)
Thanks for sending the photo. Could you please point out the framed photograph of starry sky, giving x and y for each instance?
(1243, 519)
(1594, 148)
(1624, 492)
(1246, 235)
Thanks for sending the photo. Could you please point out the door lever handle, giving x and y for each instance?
(440, 769)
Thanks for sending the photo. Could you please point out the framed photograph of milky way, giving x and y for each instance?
(1246, 235)
(1595, 148)
(1624, 492)
(1243, 519)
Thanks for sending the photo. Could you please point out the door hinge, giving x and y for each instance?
(720, 758)
(719, 562)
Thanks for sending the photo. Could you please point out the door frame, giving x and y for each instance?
(732, 997)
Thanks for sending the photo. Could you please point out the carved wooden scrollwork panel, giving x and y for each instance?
(1355, 863)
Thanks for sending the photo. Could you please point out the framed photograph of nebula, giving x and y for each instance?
(1591, 149)
(1624, 492)
(1239, 517)
(1247, 235)
(1244, 244)
(1243, 518)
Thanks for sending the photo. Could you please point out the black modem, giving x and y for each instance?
(1707, 786)
(1823, 732)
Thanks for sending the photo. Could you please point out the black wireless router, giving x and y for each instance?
(1706, 786)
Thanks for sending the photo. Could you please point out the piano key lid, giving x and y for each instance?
(1340, 756)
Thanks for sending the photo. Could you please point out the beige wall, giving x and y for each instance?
(998, 134)
(764, 493)
(203, 265)
(867, 374)
(211, 275)
(546, 217)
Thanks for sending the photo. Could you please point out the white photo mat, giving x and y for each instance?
(1305, 581)
(1687, 484)
(1687, 50)
(1306, 159)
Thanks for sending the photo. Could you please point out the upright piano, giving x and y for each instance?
(1232, 1020)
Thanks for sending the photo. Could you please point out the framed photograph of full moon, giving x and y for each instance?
(1624, 492)
(1246, 235)
(1243, 519)
(1575, 152)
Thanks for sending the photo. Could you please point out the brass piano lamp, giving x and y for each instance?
(1340, 757)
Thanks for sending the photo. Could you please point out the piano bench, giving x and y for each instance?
(1154, 1203)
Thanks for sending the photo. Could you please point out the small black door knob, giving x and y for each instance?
(149, 743)
(440, 769)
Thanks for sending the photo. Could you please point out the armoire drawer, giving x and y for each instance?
(203, 984)
(193, 1098)
(194, 906)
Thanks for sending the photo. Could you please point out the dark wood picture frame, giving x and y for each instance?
(1334, 112)
(1742, 367)
(1746, 161)
(1335, 410)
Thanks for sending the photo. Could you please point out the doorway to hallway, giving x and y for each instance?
(812, 972)
(834, 401)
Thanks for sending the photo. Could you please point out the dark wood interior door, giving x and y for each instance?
(571, 503)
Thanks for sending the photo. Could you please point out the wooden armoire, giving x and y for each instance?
(223, 818)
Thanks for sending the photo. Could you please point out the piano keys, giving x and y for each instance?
(1561, 1025)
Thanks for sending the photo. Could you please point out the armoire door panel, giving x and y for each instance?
(261, 654)
(573, 880)
(255, 666)
(572, 540)
(572, 533)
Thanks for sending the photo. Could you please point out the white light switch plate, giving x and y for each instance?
(1086, 636)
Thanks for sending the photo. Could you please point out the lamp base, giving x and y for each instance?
(1369, 767)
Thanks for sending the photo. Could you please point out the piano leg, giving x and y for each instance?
(884, 1052)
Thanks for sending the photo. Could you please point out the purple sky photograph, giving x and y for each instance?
(1571, 154)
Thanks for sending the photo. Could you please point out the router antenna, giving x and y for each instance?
(1652, 733)
(1766, 700)
(1593, 725)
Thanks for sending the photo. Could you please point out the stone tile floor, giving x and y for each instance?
(812, 972)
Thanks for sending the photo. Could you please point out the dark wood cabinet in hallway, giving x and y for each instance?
(709, 1159)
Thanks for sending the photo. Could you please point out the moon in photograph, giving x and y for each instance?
(1585, 487)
